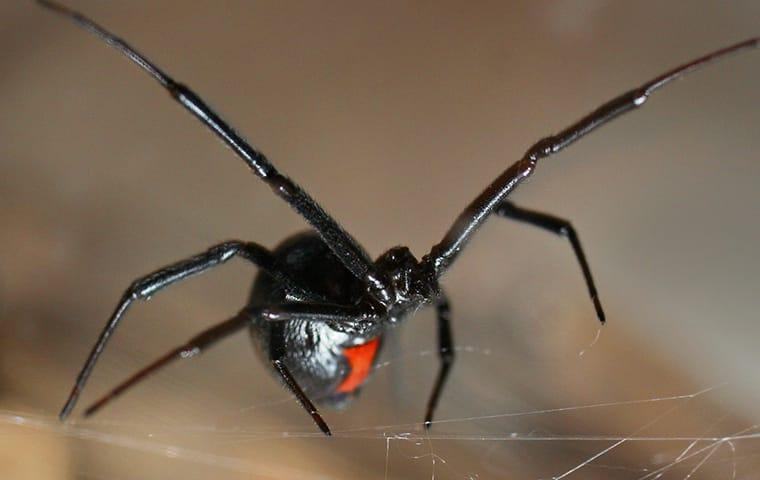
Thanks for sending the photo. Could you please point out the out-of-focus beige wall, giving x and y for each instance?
(393, 116)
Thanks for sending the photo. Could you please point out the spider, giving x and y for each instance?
(320, 306)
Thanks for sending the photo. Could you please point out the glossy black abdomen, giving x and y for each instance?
(309, 261)
(314, 352)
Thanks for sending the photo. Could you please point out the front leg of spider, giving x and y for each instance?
(343, 246)
(444, 253)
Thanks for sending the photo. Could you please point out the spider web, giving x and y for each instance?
(688, 435)
(717, 453)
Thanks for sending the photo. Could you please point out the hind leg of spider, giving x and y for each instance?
(296, 390)
(350, 317)
(561, 227)
(339, 316)
(188, 350)
(143, 288)
(445, 353)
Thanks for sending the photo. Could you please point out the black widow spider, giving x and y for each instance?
(320, 306)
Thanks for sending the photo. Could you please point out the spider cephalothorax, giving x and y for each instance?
(320, 306)
(408, 284)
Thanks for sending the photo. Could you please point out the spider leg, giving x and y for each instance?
(345, 247)
(296, 390)
(190, 349)
(143, 288)
(445, 353)
(561, 227)
(443, 254)
(350, 317)
(279, 314)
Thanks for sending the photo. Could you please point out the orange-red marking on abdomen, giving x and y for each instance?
(360, 360)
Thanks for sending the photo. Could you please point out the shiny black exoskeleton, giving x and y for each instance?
(320, 306)
(313, 351)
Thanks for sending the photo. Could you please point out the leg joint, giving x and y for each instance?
(226, 250)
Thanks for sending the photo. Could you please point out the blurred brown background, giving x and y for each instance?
(392, 115)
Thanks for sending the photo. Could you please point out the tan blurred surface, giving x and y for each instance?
(393, 116)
